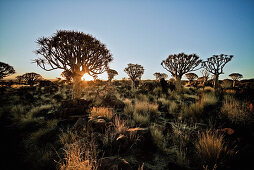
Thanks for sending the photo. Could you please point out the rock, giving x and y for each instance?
(80, 124)
(122, 143)
(228, 131)
(97, 125)
(138, 130)
(114, 162)
(69, 108)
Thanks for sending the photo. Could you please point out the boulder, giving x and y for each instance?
(114, 162)
(75, 107)
(97, 125)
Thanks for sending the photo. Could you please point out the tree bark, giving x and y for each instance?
(178, 83)
(233, 83)
(76, 94)
(216, 82)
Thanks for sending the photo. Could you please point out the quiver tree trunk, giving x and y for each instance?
(76, 94)
(233, 83)
(178, 83)
(216, 82)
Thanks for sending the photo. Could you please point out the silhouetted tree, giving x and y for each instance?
(19, 79)
(191, 77)
(135, 72)
(67, 75)
(31, 78)
(215, 65)
(111, 74)
(235, 76)
(159, 76)
(180, 64)
(77, 52)
(5, 70)
(205, 76)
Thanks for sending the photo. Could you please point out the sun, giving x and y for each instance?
(86, 77)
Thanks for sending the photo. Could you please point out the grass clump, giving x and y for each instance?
(143, 111)
(211, 148)
(234, 110)
(75, 158)
(102, 112)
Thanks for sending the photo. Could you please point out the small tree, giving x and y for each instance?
(205, 76)
(191, 77)
(235, 76)
(111, 74)
(159, 76)
(215, 65)
(5, 70)
(74, 51)
(19, 79)
(180, 64)
(135, 72)
(31, 78)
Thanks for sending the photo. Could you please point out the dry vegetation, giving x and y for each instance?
(117, 128)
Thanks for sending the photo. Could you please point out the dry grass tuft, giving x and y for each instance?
(102, 112)
(143, 110)
(75, 158)
(211, 149)
(234, 110)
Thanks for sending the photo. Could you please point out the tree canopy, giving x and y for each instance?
(5, 70)
(75, 52)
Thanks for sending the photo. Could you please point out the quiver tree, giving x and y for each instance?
(159, 76)
(111, 74)
(191, 77)
(67, 75)
(205, 76)
(180, 64)
(19, 79)
(76, 52)
(5, 70)
(215, 65)
(135, 72)
(235, 76)
(31, 78)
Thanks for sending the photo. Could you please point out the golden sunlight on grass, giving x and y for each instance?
(86, 77)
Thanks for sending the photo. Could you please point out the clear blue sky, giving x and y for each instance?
(135, 31)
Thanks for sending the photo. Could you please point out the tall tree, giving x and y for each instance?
(77, 52)
(235, 76)
(5, 70)
(180, 64)
(215, 65)
(159, 76)
(135, 72)
(191, 77)
(31, 78)
(111, 74)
